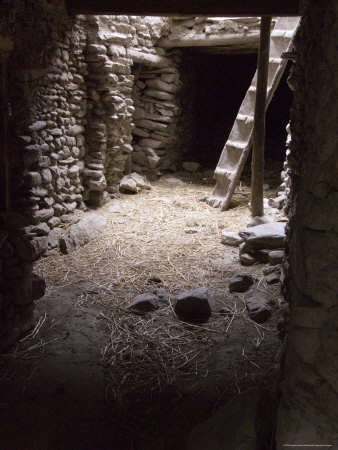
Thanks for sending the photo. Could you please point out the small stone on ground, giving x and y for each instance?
(194, 305)
(241, 282)
(272, 278)
(173, 181)
(38, 287)
(231, 238)
(276, 257)
(258, 308)
(247, 260)
(270, 269)
(191, 230)
(134, 183)
(150, 301)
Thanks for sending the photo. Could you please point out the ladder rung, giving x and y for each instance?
(244, 118)
(282, 33)
(224, 172)
(275, 60)
(237, 144)
(252, 89)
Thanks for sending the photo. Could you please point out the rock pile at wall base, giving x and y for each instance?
(260, 241)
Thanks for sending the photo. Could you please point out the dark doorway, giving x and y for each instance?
(215, 85)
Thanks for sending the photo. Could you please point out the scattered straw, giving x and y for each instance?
(145, 246)
(147, 354)
(147, 239)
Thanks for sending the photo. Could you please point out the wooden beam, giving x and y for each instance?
(257, 172)
(186, 7)
(249, 40)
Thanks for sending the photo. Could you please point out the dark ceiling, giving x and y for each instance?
(185, 7)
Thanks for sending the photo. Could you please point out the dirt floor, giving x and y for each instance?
(95, 375)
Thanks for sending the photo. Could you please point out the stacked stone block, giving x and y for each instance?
(51, 138)
(110, 111)
(115, 46)
(157, 110)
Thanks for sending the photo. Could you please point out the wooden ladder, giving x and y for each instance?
(238, 145)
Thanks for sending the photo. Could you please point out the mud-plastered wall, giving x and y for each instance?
(308, 413)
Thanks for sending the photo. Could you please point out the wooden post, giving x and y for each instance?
(257, 167)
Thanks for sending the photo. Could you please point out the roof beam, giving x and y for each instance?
(186, 7)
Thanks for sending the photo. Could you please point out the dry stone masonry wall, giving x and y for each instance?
(46, 94)
(71, 120)
(110, 108)
(308, 411)
(157, 110)
(53, 143)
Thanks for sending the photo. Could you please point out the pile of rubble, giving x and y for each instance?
(260, 244)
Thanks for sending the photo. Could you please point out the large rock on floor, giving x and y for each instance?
(194, 305)
(134, 183)
(258, 308)
(268, 235)
(244, 423)
(82, 232)
(241, 282)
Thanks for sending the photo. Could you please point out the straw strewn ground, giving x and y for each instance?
(145, 245)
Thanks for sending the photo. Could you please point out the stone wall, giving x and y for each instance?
(130, 118)
(49, 115)
(19, 288)
(110, 107)
(308, 412)
(45, 92)
(71, 117)
(157, 109)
